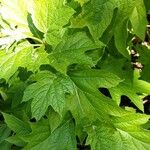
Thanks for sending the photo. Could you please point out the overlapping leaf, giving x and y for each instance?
(130, 86)
(126, 89)
(93, 79)
(62, 138)
(22, 56)
(144, 53)
(50, 17)
(72, 51)
(124, 135)
(48, 90)
(17, 125)
(95, 11)
(40, 132)
(87, 101)
(4, 132)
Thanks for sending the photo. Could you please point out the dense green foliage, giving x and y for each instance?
(71, 77)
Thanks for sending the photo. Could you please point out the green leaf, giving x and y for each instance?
(97, 16)
(54, 119)
(4, 132)
(51, 18)
(130, 119)
(48, 90)
(40, 131)
(22, 56)
(91, 80)
(138, 19)
(93, 15)
(5, 145)
(38, 58)
(63, 138)
(87, 106)
(140, 86)
(81, 108)
(118, 66)
(126, 89)
(72, 51)
(121, 35)
(16, 140)
(144, 52)
(125, 8)
(15, 92)
(33, 29)
(102, 136)
(87, 103)
(147, 5)
(17, 125)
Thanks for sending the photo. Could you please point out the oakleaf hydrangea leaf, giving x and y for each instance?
(93, 15)
(124, 137)
(92, 107)
(72, 51)
(144, 53)
(139, 85)
(50, 17)
(87, 102)
(50, 90)
(126, 89)
(92, 79)
(40, 132)
(95, 11)
(22, 56)
(62, 138)
(138, 19)
(17, 125)
(4, 132)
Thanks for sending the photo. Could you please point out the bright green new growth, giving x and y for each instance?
(65, 74)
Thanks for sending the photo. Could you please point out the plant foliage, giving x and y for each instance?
(74, 74)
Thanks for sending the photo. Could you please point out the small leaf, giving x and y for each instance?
(17, 125)
(138, 19)
(128, 90)
(40, 131)
(4, 132)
